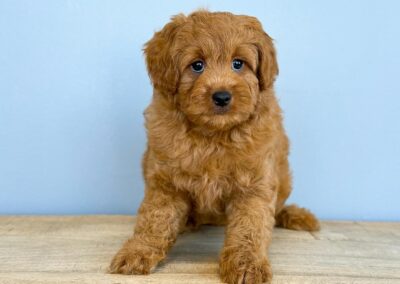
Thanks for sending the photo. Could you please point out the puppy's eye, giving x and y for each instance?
(237, 64)
(197, 66)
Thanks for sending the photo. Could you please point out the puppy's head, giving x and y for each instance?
(216, 66)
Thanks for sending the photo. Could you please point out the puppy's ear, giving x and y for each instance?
(160, 61)
(267, 68)
(268, 65)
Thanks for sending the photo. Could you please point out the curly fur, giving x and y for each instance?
(205, 167)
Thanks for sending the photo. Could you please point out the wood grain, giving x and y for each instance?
(78, 249)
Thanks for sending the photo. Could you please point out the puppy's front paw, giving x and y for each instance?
(134, 259)
(238, 267)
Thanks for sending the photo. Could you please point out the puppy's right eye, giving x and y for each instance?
(197, 66)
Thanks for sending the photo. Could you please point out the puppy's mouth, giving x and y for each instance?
(219, 110)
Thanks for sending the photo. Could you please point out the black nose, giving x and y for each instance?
(221, 98)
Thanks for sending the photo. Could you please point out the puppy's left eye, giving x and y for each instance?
(237, 64)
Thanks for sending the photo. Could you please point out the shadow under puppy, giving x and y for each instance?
(217, 151)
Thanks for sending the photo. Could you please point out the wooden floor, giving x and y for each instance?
(79, 249)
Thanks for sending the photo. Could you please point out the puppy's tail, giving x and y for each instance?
(295, 218)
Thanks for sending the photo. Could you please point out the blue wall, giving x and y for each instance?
(73, 87)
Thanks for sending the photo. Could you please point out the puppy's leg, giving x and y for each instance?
(291, 217)
(248, 234)
(161, 216)
(296, 218)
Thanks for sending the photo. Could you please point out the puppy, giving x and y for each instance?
(217, 151)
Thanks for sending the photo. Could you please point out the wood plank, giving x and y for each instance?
(97, 278)
(78, 249)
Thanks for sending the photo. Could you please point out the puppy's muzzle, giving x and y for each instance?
(222, 98)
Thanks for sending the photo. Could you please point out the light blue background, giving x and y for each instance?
(73, 87)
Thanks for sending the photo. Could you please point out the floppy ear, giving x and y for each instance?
(268, 65)
(160, 62)
(267, 68)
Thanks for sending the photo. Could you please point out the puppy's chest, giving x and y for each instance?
(210, 176)
(208, 194)
(204, 176)
(207, 174)
(210, 172)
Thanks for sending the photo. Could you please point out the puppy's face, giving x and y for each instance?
(215, 65)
